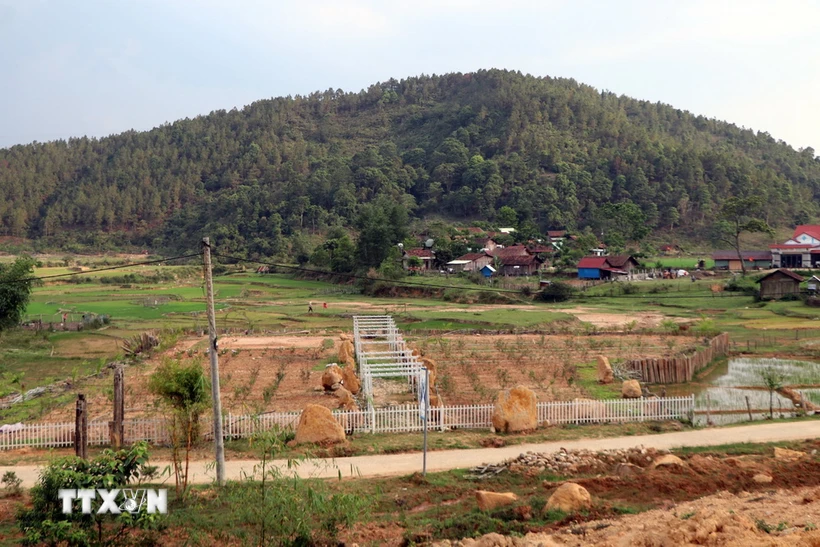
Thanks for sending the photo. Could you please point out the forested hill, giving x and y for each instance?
(461, 145)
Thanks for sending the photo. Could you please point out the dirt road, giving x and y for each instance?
(201, 472)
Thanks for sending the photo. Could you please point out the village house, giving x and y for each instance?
(515, 265)
(779, 284)
(729, 260)
(471, 262)
(426, 256)
(512, 250)
(556, 235)
(801, 251)
(603, 267)
(622, 262)
(483, 244)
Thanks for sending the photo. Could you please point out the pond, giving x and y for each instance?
(744, 378)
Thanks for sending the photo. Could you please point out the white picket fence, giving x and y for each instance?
(394, 419)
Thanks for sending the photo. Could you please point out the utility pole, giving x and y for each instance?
(116, 429)
(81, 428)
(219, 445)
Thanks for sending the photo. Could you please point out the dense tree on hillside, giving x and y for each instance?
(461, 145)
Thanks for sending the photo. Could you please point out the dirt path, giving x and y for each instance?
(443, 460)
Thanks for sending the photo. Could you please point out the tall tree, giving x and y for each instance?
(16, 282)
(739, 216)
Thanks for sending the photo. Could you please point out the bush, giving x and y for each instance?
(45, 521)
(556, 292)
(11, 484)
(629, 288)
(185, 391)
(745, 285)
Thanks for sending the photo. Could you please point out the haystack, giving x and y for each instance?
(332, 377)
(318, 426)
(515, 410)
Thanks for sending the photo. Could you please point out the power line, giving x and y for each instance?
(107, 269)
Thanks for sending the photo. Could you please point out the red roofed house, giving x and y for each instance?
(425, 255)
(801, 251)
(600, 267)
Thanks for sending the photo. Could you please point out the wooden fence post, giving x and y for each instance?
(81, 428)
(115, 428)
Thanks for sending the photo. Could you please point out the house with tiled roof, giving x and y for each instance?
(600, 267)
(515, 265)
(512, 250)
(801, 251)
(426, 256)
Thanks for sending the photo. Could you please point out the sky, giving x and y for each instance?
(95, 67)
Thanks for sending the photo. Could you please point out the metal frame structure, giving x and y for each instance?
(381, 352)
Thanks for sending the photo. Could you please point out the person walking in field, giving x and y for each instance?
(310, 307)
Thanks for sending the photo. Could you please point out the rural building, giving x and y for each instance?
(622, 262)
(426, 256)
(814, 284)
(484, 244)
(516, 265)
(729, 260)
(598, 267)
(801, 251)
(556, 235)
(539, 248)
(778, 284)
(513, 250)
(471, 262)
(487, 271)
(600, 250)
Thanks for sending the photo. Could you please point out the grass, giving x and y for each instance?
(683, 262)
(588, 380)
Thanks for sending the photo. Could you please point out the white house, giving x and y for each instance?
(801, 251)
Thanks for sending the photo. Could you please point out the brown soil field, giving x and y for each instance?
(471, 369)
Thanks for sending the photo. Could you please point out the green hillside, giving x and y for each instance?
(457, 145)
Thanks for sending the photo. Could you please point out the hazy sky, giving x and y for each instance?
(93, 67)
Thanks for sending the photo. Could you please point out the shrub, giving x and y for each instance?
(45, 522)
(556, 292)
(745, 285)
(630, 288)
(11, 483)
(185, 391)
